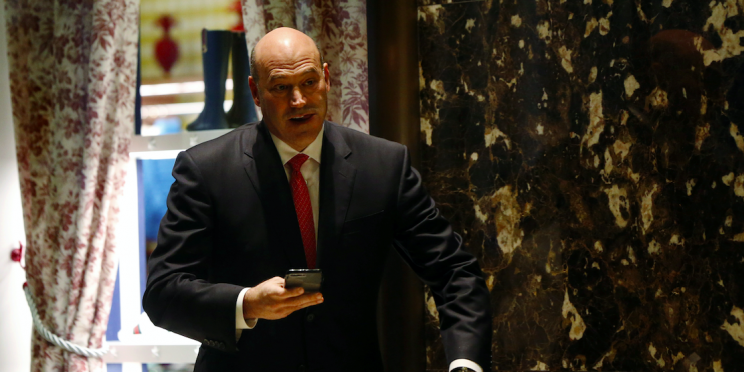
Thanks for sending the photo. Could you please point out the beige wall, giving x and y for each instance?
(15, 318)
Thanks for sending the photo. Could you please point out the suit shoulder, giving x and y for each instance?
(222, 147)
(366, 142)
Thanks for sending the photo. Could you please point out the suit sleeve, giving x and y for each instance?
(435, 252)
(179, 296)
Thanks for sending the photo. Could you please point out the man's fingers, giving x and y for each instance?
(304, 300)
(299, 302)
(291, 292)
(270, 300)
(313, 301)
(274, 287)
(282, 309)
(303, 305)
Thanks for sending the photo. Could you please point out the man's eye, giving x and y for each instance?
(280, 87)
(310, 82)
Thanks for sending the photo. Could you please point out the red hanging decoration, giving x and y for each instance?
(166, 49)
(17, 254)
(237, 8)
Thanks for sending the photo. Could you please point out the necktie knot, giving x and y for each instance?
(296, 162)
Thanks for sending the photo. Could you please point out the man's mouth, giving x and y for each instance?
(301, 118)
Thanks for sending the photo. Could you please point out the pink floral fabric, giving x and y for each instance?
(73, 80)
(339, 27)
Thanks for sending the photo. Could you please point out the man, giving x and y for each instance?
(237, 221)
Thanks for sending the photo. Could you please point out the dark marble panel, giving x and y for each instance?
(590, 153)
(442, 2)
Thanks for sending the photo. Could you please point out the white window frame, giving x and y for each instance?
(133, 350)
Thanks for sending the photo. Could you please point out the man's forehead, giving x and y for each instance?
(283, 53)
(280, 73)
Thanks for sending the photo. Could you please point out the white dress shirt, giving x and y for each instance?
(311, 173)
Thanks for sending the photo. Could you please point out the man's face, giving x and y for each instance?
(292, 92)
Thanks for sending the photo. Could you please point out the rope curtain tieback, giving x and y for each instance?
(56, 340)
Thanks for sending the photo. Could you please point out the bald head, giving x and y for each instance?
(282, 42)
(294, 85)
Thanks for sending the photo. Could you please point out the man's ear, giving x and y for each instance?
(254, 90)
(327, 77)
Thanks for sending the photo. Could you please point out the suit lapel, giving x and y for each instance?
(265, 169)
(336, 184)
(248, 145)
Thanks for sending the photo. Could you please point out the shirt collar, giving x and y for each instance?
(286, 152)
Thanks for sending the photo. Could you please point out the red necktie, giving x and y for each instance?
(303, 207)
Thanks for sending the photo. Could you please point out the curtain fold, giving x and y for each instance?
(339, 27)
(72, 71)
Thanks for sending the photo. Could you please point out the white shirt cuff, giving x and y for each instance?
(459, 363)
(240, 322)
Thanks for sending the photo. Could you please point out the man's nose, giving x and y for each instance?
(298, 99)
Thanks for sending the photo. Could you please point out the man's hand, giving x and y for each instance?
(270, 300)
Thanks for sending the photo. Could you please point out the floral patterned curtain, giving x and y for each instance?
(340, 29)
(73, 79)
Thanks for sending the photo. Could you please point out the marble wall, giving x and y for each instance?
(591, 155)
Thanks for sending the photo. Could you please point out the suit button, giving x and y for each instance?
(310, 317)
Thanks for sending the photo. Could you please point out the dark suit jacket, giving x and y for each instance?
(231, 224)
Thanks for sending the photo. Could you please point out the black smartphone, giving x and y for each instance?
(309, 279)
